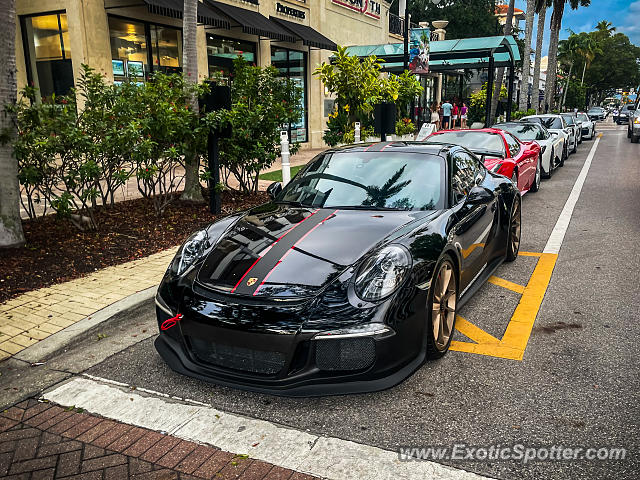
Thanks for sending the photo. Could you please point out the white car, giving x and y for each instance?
(551, 145)
(588, 126)
(574, 124)
(557, 126)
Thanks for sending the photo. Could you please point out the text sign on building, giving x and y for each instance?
(293, 12)
(366, 7)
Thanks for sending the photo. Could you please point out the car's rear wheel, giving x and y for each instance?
(536, 179)
(515, 224)
(443, 297)
(565, 154)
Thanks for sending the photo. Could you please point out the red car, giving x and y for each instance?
(501, 153)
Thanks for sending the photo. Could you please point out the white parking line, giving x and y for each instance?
(326, 457)
(557, 235)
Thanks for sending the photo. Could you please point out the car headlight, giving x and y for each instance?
(381, 274)
(192, 250)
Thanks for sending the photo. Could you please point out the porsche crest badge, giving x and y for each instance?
(251, 281)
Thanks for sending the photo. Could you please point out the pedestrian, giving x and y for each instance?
(446, 115)
(463, 115)
(455, 115)
(435, 117)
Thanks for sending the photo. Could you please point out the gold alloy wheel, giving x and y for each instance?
(443, 311)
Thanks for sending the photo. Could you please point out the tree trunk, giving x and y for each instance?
(566, 86)
(584, 69)
(11, 234)
(556, 24)
(500, 72)
(526, 57)
(192, 189)
(535, 95)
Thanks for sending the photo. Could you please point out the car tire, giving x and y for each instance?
(441, 308)
(514, 231)
(628, 133)
(575, 146)
(565, 154)
(635, 138)
(537, 178)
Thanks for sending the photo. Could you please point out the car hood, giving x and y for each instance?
(277, 250)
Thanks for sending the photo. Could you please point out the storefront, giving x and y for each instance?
(131, 39)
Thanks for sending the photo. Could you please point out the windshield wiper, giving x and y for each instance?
(294, 203)
(364, 207)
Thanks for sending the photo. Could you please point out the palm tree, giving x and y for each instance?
(526, 56)
(192, 190)
(556, 25)
(541, 10)
(508, 26)
(11, 233)
(605, 27)
(588, 48)
(568, 52)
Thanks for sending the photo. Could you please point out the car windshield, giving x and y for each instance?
(583, 117)
(595, 110)
(569, 119)
(524, 132)
(553, 123)
(369, 180)
(472, 140)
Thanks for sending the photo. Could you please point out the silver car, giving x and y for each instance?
(633, 130)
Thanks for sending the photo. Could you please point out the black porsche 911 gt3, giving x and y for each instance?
(347, 280)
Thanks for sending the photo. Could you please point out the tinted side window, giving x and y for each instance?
(463, 176)
(514, 145)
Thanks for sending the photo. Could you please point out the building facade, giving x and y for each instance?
(129, 39)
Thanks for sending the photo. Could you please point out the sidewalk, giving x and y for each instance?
(46, 441)
(38, 314)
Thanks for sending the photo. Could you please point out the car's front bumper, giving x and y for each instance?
(289, 361)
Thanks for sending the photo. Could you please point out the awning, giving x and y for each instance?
(174, 8)
(253, 23)
(308, 35)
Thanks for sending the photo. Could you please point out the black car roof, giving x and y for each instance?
(439, 149)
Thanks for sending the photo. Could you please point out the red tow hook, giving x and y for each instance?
(170, 322)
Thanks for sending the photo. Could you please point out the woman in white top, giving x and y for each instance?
(435, 117)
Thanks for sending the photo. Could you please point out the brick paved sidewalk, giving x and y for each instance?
(36, 315)
(45, 441)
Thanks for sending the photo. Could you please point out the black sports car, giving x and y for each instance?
(347, 280)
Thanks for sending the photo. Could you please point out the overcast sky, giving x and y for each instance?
(623, 14)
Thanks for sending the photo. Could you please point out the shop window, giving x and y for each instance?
(222, 51)
(140, 48)
(293, 65)
(47, 53)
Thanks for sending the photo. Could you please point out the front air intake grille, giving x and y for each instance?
(238, 358)
(345, 354)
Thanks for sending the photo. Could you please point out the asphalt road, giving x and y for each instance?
(577, 384)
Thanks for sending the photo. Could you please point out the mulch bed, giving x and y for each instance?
(55, 251)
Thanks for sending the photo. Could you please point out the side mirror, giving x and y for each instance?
(274, 189)
(478, 195)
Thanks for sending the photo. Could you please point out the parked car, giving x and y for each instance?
(501, 153)
(588, 126)
(597, 113)
(576, 126)
(347, 280)
(633, 129)
(551, 146)
(558, 126)
(624, 114)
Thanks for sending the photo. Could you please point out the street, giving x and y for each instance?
(576, 384)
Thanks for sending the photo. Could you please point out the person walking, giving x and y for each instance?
(463, 115)
(455, 115)
(446, 115)
(435, 117)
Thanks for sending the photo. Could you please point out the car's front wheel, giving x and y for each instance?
(515, 223)
(443, 297)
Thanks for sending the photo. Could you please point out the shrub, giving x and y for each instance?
(405, 126)
(518, 114)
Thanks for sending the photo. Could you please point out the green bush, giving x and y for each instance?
(405, 126)
(518, 114)
(477, 108)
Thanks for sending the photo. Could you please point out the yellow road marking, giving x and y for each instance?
(501, 282)
(529, 254)
(516, 336)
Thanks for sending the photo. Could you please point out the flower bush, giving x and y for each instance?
(405, 126)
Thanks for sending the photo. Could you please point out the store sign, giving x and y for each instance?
(293, 12)
(419, 50)
(366, 7)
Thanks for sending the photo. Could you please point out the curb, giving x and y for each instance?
(50, 345)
